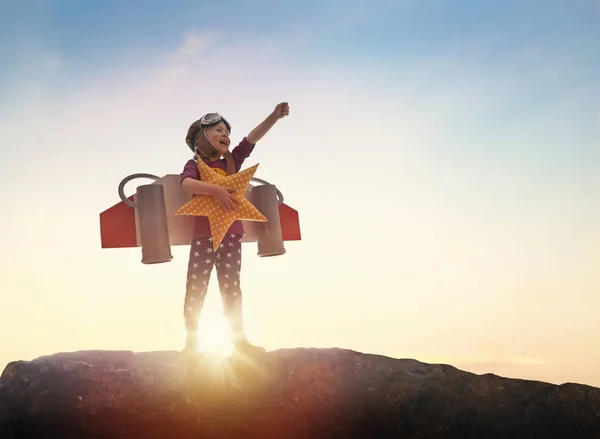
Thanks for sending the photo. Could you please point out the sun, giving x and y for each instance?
(214, 337)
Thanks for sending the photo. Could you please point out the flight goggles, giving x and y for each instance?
(208, 120)
(212, 119)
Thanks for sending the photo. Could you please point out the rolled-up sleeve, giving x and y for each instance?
(190, 170)
(242, 152)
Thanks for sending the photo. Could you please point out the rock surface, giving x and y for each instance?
(292, 393)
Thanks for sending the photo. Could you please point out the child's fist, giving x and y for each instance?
(281, 110)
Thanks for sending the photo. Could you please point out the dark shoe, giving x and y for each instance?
(191, 343)
(244, 346)
(191, 352)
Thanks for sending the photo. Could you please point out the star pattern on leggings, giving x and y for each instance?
(199, 270)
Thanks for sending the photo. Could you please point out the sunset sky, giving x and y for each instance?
(443, 156)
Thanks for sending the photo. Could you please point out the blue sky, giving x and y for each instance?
(443, 156)
(543, 52)
(99, 34)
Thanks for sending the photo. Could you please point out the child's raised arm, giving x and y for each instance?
(281, 110)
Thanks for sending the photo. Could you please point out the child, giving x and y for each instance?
(208, 138)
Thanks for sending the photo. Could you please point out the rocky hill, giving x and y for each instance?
(291, 393)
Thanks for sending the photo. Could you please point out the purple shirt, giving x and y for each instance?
(239, 153)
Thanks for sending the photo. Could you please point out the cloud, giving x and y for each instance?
(194, 43)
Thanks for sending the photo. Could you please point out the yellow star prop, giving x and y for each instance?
(220, 219)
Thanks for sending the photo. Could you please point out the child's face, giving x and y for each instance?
(219, 137)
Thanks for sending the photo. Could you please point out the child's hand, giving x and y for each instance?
(223, 196)
(281, 110)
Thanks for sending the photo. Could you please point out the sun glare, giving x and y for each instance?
(214, 338)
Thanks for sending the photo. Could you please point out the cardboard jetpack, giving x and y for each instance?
(120, 225)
